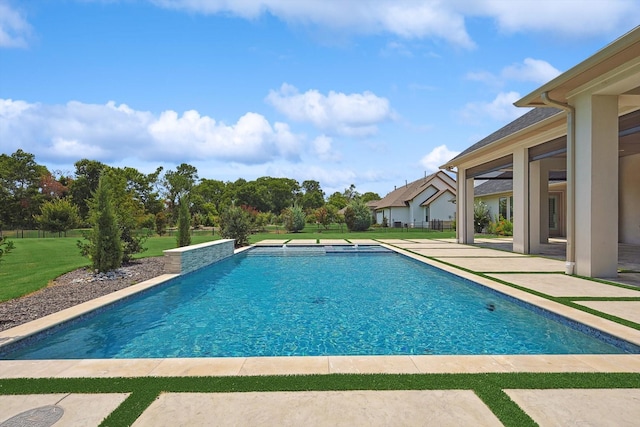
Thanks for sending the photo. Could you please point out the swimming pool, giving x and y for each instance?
(312, 301)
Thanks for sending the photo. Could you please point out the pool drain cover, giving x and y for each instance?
(44, 416)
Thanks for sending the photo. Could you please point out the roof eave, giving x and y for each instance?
(559, 87)
(490, 147)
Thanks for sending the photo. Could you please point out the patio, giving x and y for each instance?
(628, 256)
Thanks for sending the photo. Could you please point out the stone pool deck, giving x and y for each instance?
(534, 279)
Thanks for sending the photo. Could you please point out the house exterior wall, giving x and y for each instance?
(416, 212)
(442, 208)
(629, 200)
(493, 203)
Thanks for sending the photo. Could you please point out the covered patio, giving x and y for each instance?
(585, 125)
(556, 248)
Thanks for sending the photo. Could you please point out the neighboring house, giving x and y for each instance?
(417, 203)
(586, 123)
(497, 194)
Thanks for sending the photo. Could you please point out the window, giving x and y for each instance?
(502, 207)
(426, 213)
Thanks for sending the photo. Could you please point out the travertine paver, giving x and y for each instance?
(334, 242)
(214, 366)
(561, 285)
(393, 241)
(580, 407)
(302, 242)
(508, 264)
(436, 241)
(79, 409)
(440, 245)
(293, 365)
(464, 251)
(372, 365)
(498, 240)
(271, 242)
(629, 310)
(320, 408)
(363, 241)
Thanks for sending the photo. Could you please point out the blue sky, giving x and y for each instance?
(364, 92)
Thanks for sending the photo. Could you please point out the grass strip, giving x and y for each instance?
(488, 387)
(131, 409)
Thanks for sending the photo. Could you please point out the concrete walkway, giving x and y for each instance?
(549, 407)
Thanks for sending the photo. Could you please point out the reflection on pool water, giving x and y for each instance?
(312, 301)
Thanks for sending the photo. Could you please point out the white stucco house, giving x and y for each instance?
(585, 123)
(417, 203)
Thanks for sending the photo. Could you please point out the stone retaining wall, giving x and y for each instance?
(189, 258)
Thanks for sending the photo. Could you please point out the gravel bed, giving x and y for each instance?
(76, 287)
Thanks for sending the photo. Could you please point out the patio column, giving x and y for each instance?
(464, 220)
(539, 203)
(596, 185)
(521, 200)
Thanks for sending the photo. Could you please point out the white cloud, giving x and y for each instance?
(531, 70)
(445, 20)
(437, 157)
(404, 18)
(14, 28)
(356, 114)
(322, 147)
(113, 132)
(561, 17)
(500, 109)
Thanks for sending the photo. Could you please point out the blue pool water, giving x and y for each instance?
(308, 301)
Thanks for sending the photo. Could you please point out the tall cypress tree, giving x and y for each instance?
(106, 245)
(184, 223)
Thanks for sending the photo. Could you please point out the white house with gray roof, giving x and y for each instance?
(417, 203)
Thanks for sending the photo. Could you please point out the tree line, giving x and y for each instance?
(32, 197)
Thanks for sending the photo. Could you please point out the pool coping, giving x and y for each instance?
(302, 365)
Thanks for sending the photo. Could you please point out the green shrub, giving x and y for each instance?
(8, 246)
(58, 216)
(105, 245)
(235, 223)
(294, 219)
(357, 216)
(504, 227)
(481, 216)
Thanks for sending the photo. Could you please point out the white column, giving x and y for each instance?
(521, 200)
(464, 220)
(539, 204)
(596, 185)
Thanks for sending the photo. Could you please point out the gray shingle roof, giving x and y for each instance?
(532, 117)
(493, 186)
(401, 196)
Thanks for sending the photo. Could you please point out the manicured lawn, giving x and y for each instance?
(35, 262)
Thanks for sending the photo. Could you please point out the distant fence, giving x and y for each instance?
(433, 225)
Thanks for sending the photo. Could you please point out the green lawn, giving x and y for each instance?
(33, 263)
(36, 261)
